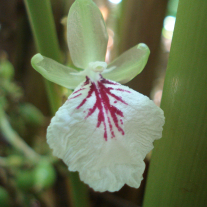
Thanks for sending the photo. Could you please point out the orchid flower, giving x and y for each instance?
(104, 130)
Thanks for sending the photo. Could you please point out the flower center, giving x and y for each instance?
(97, 66)
(94, 69)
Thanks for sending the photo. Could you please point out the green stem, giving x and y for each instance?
(42, 22)
(14, 139)
(43, 27)
(79, 192)
(177, 174)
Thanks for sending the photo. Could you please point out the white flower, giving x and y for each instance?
(104, 130)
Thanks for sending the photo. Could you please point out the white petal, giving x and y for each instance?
(128, 65)
(104, 131)
(86, 33)
(56, 72)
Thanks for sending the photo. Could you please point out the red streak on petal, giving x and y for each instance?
(108, 91)
(87, 81)
(81, 89)
(121, 121)
(78, 90)
(119, 89)
(85, 99)
(105, 81)
(106, 111)
(75, 96)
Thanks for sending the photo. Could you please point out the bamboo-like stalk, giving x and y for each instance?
(178, 169)
(43, 27)
(80, 196)
(42, 22)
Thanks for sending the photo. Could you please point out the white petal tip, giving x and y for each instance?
(142, 46)
(37, 58)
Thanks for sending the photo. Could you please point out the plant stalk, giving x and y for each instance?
(177, 174)
(43, 28)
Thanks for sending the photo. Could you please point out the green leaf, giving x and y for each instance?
(128, 65)
(86, 33)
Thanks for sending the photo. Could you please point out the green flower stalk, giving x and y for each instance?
(41, 19)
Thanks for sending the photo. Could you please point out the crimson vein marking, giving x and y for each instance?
(75, 96)
(78, 90)
(102, 94)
